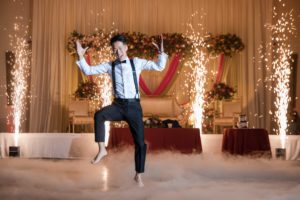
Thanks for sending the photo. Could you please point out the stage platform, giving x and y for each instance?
(70, 145)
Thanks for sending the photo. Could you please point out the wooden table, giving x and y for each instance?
(246, 141)
(185, 140)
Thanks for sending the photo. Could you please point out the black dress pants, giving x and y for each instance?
(131, 112)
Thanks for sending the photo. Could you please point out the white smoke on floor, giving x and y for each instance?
(167, 176)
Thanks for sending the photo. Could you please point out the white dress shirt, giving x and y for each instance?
(125, 88)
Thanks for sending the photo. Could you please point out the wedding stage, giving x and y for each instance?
(68, 145)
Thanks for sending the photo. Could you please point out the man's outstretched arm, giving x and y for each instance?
(161, 62)
(85, 67)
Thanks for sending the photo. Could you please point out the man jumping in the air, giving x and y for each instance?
(126, 105)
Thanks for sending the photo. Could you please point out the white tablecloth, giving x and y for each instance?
(212, 143)
(65, 145)
(38, 145)
(293, 147)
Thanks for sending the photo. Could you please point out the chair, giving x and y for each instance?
(79, 114)
(162, 107)
(229, 112)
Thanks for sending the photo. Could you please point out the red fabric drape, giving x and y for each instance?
(168, 76)
(166, 79)
(144, 87)
(220, 68)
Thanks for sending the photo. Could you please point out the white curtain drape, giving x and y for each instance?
(54, 75)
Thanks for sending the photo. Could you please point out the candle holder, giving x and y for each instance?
(14, 151)
(280, 153)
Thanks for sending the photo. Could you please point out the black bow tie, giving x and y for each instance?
(119, 62)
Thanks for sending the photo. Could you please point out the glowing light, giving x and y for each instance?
(104, 172)
(197, 63)
(281, 30)
(20, 74)
(104, 54)
(281, 57)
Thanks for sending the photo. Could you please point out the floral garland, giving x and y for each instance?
(220, 91)
(140, 45)
(87, 90)
(228, 44)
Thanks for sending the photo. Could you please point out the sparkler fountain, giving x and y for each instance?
(281, 30)
(20, 74)
(197, 63)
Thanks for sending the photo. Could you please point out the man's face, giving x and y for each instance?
(120, 50)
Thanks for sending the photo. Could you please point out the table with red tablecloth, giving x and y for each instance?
(185, 140)
(246, 141)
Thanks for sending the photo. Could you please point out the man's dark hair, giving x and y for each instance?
(116, 38)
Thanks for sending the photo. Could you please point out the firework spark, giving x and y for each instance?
(20, 74)
(103, 81)
(282, 29)
(197, 64)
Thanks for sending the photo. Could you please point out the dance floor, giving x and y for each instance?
(168, 176)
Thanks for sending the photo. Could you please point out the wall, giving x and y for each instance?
(9, 9)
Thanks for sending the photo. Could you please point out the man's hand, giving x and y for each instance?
(80, 51)
(161, 49)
